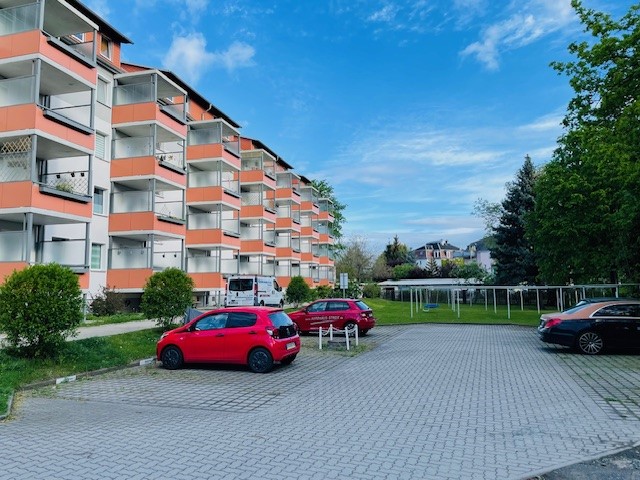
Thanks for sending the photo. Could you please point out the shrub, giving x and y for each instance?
(371, 290)
(323, 291)
(352, 291)
(40, 307)
(107, 302)
(166, 296)
(298, 291)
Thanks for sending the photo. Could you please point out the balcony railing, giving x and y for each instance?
(12, 246)
(256, 268)
(213, 221)
(129, 257)
(131, 147)
(169, 259)
(224, 179)
(142, 201)
(15, 160)
(214, 264)
(133, 93)
(19, 19)
(70, 253)
(17, 91)
(256, 198)
(76, 182)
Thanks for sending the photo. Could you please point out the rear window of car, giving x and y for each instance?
(362, 306)
(240, 284)
(280, 319)
(337, 306)
(241, 319)
(577, 308)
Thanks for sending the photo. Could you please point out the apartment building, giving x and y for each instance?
(119, 170)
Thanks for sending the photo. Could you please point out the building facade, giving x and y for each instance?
(119, 170)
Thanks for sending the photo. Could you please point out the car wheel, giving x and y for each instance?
(260, 360)
(351, 326)
(172, 358)
(364, 332)
(288, 360)
(262, 303)
(281, 304)
(590, 343)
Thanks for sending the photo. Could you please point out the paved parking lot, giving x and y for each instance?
(429, 401)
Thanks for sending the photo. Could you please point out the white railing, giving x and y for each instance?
(346, 331)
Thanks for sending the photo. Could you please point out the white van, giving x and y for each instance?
(249, 290)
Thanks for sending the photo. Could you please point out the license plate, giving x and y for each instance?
(291, 345)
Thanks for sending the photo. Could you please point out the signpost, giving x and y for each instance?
(344, 283)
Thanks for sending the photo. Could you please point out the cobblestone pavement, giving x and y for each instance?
(428, 402)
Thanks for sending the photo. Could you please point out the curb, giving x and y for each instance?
(73, 378)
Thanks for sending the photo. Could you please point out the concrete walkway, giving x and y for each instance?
(104, 330)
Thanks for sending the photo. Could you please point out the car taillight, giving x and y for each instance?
(552, 322)
(274, 332)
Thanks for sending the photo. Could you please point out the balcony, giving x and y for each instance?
(215, 185)
(255, 204)
(258, 166)
(208, 268)
(219, 227)
(149, 97)
(256, 265)
(28, 238)
(288, 187)
(148, 150)
(62, 26)
(51, 100)
(213, 140)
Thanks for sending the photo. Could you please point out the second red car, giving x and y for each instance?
(340, 312)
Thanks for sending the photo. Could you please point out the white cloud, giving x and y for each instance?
(533, 19)
(189, 57)
(385, 14)
(101, 7)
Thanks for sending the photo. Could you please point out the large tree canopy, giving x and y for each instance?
(587, 215)
(326, 191)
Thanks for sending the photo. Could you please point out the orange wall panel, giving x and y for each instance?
(15, 194)
(210, 150)
(7, 268)
(126, 222)
(205, 194)
(252, 211)
(128, 278)
(207, 281)
(204, 237)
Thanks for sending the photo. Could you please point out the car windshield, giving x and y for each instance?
(362, 306)
(280, 319)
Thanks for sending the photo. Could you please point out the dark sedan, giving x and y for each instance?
(595, 326)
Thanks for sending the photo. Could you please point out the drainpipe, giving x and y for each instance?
(206, 111)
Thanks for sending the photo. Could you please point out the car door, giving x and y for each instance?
(616, 324)
(205, 340)
(316, 315)
(240, 335)
(338, 313)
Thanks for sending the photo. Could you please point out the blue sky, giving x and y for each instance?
(410, 109)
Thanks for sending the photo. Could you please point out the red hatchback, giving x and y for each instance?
(253, 336)
(340, 312)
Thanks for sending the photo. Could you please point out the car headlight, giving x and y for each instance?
(164, 335)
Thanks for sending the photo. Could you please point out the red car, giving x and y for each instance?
(253, 336)
(340, 312)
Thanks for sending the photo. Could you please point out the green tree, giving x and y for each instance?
(397, 253)
(40, 307)
(470, 271)
(298, 291)
(166, 296)
(380, 270)
(513, 251)
(356, 259)
(587, 215)
(325, 190)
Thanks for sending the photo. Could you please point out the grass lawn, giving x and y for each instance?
(77, 357)
(395, 313)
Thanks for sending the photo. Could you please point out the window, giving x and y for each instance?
(101, 146)
(337, 306)
(79, 36)
(96, 256)
(105, 47)
(211, 322)
(103, 92)
(617, 310)
(241, 319)
(98, 201)
(317, 307)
